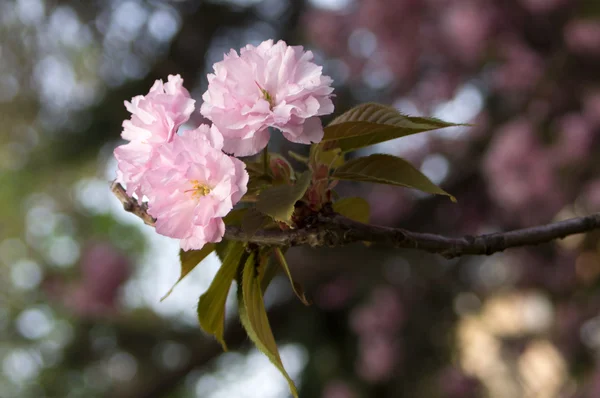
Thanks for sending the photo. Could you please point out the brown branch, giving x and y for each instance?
(131, 205)
(337, 230)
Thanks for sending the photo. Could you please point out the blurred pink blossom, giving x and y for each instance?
(456, 384)
(522, 67)
(388, 204)
(519, 174)
(377, 323)
(542, 6)
(381, 16)
(378, 357)
(335, 294)
(591, 108)
(328, 29)
(435, 88)
(466, 27)
(400, 54)
(382, 314)
(103, 271)
(583, 36)
(272, 85)
(591, 195)
(575, 138)
(338, 389)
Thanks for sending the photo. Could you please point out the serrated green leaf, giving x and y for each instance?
(223, 247)
(372, 123)
(211, 306)
(235, 217)
(298, 290)
(253, 316)
(387, 169)
(189, 260)
(255, 167)
(356, 209)
(255, 185)
(270, 270)
(278, 202)
(253, 221)
(259, 179)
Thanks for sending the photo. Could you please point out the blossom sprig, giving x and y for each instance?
(187, 183)
(272, 85)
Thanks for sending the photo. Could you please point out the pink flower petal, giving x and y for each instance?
(272, 85)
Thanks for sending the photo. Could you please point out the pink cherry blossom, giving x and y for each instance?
(154, 120)
(156, 116)
(272, 85)
(132, 163)
(192, 184)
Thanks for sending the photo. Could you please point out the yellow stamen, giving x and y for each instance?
(267, 96)
(199, 189)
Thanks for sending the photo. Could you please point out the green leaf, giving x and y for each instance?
(235, 217)
(253, 221)
(371, 123)
(258, 178)
(189, 260)
(254, 317)
(211, 306)
(255, 185)
(298, 290)
(224, 246)
(356, 209)
(278, 201)
(270, 270)
(387, 169)
(255, 167)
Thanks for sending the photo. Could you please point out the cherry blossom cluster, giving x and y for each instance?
(187, 177)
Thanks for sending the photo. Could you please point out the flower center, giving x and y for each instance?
(266, 96)
(198, 189)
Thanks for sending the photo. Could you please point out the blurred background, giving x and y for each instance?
(81, 280)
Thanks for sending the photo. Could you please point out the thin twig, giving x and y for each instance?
(337, 230)
(131, 205)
